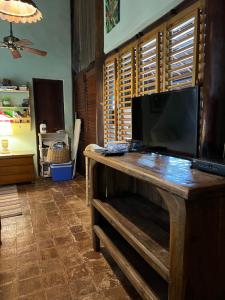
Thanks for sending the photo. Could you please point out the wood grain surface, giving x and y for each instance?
(170, 173)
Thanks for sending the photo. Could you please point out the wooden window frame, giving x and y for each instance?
(193, 11)
(158, 35)
(123, 102)
(107, 111)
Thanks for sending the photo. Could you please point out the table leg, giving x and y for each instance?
(94, 212)
(177, 213)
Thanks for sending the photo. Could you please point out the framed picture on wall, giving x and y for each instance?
(112, 10)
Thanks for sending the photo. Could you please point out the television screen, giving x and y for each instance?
(168, 120)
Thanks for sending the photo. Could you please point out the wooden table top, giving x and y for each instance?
(170, 173)
(16, 154)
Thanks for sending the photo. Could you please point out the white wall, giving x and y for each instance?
(135, 15)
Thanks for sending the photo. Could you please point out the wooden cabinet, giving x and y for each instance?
(162, 222)
(16, 168)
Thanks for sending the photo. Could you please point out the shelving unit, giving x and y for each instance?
(16, 99)
(13, 107)
(162, 222)
(45, 140)
(13, 91)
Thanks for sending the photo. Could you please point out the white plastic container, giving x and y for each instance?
(43, 128)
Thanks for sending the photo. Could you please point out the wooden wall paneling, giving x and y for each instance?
(213, 133)
(91, 106)
(88, 83)
(83, 34)
(80, 108)
(75, 29)
(99, 61)
(85, 107)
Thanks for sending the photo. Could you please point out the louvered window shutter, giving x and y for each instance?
(182, 51)
(110, 109)
(149, 64)
(126, 86)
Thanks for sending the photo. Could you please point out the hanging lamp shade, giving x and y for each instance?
(19, 11)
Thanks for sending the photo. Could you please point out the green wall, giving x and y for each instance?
(53, 35)
(135, 15)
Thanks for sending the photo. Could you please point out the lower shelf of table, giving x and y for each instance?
(139, 222)
(144, 279)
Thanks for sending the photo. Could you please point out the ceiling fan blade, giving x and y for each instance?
(23, 43)
(16, 54)
(35, 51)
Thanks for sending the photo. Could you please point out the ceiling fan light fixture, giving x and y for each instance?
(19, 11)
(16, 45)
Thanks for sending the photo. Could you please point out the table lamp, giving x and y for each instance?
(5, 131)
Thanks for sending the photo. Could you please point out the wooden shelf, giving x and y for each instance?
(13, 91)
(20, 120)
(134, 268)
(25, 107)
(142, 225)
(16, 101)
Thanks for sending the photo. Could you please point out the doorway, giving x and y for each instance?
(49, 106)
(49, 103)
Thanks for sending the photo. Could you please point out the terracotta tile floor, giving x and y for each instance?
(47, 253)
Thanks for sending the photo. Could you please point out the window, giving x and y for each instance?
(126, 87)
(183, 40)
(170, 57)
(149, 63)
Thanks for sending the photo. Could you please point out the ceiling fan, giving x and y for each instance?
(16, 45)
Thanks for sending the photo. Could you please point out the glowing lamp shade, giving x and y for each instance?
(5, 131)
(19, 11)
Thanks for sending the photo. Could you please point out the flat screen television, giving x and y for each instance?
(168, 121)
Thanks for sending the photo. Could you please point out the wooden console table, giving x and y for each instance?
(17, 167)
(162, 222)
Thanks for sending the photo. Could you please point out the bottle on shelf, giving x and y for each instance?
(43, 127)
